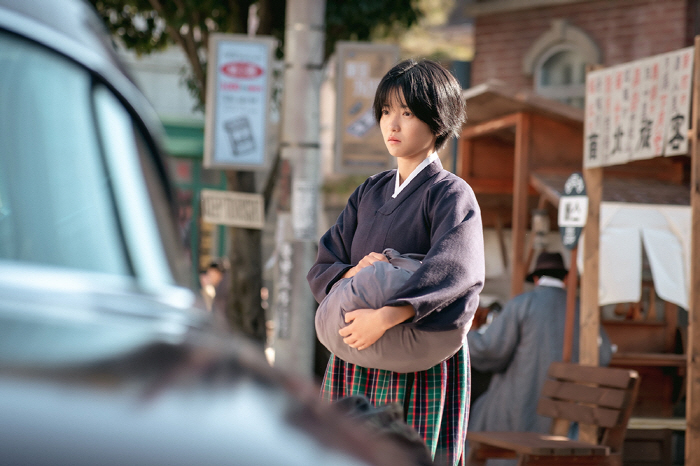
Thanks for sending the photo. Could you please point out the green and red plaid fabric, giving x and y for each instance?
(438, 408)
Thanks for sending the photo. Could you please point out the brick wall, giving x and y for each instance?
(624, 30)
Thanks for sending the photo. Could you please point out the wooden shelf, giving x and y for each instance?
(648, 359)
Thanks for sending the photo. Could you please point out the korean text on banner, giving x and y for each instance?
(238, 98)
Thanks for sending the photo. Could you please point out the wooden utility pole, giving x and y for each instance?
(300, 182)
(692, 432)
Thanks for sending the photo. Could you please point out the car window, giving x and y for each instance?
(147, 216)
(56, 206)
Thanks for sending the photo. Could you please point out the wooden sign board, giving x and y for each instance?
(359, 145)
(638, 110)
(243, 210)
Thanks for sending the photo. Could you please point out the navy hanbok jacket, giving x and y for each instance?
(437, 215)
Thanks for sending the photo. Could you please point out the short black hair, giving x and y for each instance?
(554, 273)
(431, 92)
(216, 264)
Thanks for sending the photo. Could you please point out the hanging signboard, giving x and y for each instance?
(573, 210)
(243, 210)
(359, 146)
(239, 80)
(638, 110)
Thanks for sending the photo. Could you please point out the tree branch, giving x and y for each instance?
(188, 47)
(193, 50)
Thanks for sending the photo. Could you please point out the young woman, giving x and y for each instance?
(417, 208)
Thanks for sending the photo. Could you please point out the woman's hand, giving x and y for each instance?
(366, 261)
(366, 326)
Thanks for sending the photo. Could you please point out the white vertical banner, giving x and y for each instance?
(619, 148)
(678, 104)
(638, 110)
(658, 140)
(642, 148)
(635, 109)
(606, 130)
(239, 82)
(592, 153)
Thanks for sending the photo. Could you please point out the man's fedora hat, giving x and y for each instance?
(547, 263)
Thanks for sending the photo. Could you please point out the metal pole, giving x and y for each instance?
(300, 181)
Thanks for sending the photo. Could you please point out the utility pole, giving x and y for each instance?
(299, 185)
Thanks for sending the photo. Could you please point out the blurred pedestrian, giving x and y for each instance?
(518, 346)
(418, 208)
(209, 280)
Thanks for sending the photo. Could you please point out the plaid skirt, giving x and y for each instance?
(438, 404)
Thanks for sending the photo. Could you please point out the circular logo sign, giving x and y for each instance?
(241, 70)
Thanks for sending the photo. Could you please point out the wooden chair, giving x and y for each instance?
(598, 396)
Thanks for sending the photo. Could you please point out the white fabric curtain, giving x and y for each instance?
(663, 231)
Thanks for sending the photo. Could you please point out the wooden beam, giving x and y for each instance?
(464, 161)
(692, 433)
(491, 126)
(571, 288)
(523, 143)
(551, 195)
(590, 311)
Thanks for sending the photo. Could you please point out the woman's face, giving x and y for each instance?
(405, 135)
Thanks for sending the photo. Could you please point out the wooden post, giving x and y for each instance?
(571, 285)
(521, 169)
(590, 311)
(692, 433)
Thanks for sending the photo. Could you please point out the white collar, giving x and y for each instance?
(427, 161)
(550, 281)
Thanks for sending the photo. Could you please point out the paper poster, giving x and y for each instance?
(638, 110)
(635, 100)
(648, 107)
(618, 149)
(592, 152)
(678, 104)
(238, 96)
(360, 148)
(658, 140)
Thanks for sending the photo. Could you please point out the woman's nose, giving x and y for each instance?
(393, 122)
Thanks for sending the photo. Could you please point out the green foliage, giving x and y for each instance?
(367, 19)
(150, 25)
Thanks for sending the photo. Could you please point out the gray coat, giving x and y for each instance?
(518, 348)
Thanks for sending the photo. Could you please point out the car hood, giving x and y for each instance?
(51, 317)
(113, 375)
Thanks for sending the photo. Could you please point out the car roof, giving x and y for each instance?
(73, 29)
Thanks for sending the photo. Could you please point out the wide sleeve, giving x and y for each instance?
(333, 258)
(444, 291)
(492, 350)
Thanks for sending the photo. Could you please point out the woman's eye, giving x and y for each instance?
(385, 112)
(407, 114)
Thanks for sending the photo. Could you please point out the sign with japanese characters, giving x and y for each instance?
(359, 147)
(638, 110)
(573, 210)
(238, 98)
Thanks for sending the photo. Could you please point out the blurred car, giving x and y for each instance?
(102, 358)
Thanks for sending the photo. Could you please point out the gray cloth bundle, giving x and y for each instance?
(402, 348)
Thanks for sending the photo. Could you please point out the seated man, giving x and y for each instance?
(402, 348)
(518, 347)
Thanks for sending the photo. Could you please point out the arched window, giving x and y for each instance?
(561, 75)
(557, 62)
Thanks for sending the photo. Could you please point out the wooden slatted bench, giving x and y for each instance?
(598, 396)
